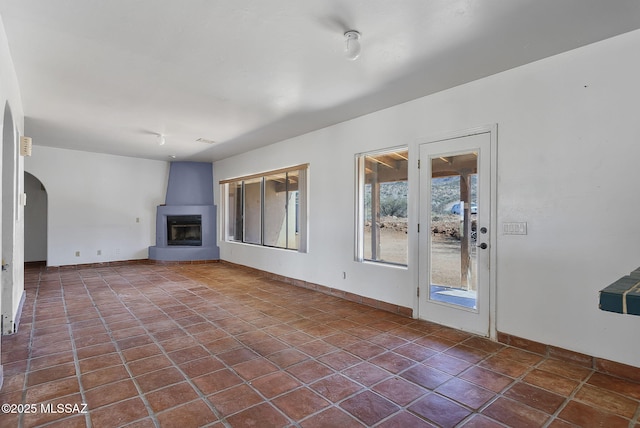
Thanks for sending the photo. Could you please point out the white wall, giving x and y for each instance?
(568, 150)
(13, 279)
(94, 201)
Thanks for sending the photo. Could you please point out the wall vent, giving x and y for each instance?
(204, 140)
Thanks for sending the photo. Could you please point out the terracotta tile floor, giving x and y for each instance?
(212, 345)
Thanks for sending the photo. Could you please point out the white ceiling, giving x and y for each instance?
(108, 75)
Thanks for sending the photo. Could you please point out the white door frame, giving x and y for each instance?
(492, 130)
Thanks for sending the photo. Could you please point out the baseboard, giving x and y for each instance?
(37, 264)
(123, 263)
(182, 262)
(378, 304)
(16, 322)
(600, 364)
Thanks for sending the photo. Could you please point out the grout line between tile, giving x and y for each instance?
(74, 351)
(31, 335)
(636, 418)
(119, 352)
(570, 397)
(188, 379)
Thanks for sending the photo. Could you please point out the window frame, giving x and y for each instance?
(300, 219)
(360, 209)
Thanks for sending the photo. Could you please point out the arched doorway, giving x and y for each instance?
(35, 221)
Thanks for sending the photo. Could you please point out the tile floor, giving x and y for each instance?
(212, 345)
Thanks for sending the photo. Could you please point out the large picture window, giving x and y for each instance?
(268, 209)
(382, 206)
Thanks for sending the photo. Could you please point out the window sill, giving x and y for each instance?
(249, 244)
(384, 264)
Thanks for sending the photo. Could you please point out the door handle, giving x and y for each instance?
(483, 246)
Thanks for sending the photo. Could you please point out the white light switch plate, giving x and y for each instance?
(514, 228)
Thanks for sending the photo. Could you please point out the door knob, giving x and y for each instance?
(483, 246)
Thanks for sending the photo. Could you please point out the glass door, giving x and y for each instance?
(455, 206)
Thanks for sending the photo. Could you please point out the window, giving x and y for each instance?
(268, 209)
(382, 206)
(252, 211)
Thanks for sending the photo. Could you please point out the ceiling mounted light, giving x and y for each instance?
(352, 44)
(161, 140)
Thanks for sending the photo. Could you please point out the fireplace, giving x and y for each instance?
(186, 222)
(184, 230)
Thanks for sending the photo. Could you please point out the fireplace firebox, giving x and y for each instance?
(184, 230)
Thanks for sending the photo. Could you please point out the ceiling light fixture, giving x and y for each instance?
(352, 44)
(161, 140)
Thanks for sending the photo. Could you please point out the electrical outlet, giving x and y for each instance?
(99, 252)
(77, 253)
(137, 219)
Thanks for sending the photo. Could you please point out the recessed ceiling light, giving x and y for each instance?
(204, 140)
(172, 156)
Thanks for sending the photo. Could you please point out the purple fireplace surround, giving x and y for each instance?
(189, 197)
